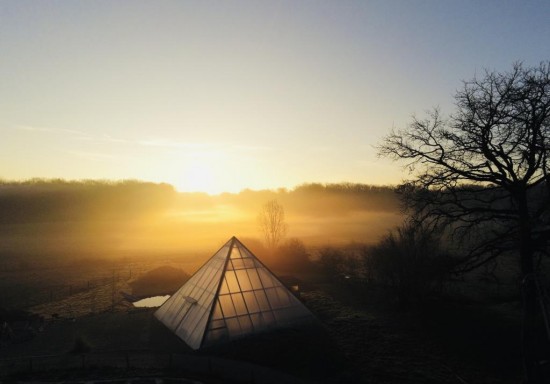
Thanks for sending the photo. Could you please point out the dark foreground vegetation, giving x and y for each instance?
(391, 311)
(459, 330)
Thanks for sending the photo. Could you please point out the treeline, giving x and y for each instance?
(312, 199)
(40, 200)
(75, 219)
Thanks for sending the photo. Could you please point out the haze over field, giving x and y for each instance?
(98, 219)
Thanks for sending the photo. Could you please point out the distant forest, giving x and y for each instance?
(101, 217)
(39, 200)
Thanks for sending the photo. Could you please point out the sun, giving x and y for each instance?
(199, 177)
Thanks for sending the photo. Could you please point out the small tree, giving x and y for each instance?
(272, 223)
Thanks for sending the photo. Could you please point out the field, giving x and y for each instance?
(68, 250)
(362, 337)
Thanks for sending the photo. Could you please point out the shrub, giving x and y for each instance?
(331, 261)
(410, 261)
(293, 255)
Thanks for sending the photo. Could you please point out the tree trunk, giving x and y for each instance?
(529, 309)
(529, 295)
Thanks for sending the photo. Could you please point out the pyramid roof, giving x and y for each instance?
(232, 295)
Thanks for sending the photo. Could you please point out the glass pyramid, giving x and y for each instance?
(232, 295)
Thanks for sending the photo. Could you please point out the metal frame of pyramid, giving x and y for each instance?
(231, 296)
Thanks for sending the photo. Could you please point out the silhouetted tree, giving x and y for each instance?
(272, 223)
(484, 172)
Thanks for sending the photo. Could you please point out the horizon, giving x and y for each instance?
(33, 180)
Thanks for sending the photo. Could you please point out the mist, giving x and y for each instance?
(94, 219)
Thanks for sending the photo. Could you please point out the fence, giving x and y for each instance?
(159, 363)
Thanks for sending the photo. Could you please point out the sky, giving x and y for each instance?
(225, 95)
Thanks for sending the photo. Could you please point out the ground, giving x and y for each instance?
(360, 338)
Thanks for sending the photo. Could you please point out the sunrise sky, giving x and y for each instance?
(225, 95)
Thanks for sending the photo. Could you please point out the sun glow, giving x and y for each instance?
(199, 177)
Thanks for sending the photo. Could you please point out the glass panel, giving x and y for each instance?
(262, 300)
(257, 264)
(242, 263)
(254, 279)
(246, 324)
(244, 281)
(266, 279)
(283, 296)
(222, 252)
(192, 318)
(257, 321)
(217, 311)
(238, 301)
(223, 288)
(217, 324)
(251, 302)
(233, 327)
(170, 308)
(240, 249)
(235, 264)
(227, 306)
(204, 276)
(232, 281)
(245, 253)
(283, 315)
(179, 314)
(216, 335)
(268, 318)
(273, 298)
(199, 326)
(235, 254)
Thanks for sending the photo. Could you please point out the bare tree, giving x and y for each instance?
(484, 172)
(272, 223)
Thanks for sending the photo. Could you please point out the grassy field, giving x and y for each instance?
(362, 337)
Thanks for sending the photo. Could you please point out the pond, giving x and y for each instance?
(150, 302)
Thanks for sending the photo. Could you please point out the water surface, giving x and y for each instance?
(150, 302)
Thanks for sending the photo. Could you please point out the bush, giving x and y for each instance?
(410, 261)
(332, 262)
(293, 255)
